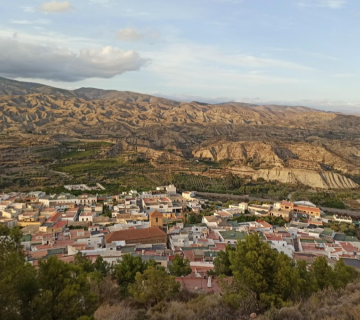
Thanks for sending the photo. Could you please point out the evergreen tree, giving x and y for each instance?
(18, 283)
(222, 265)
(307, 284)
(65, 290)
(153, 286)
(323, 273)
(343, 274)
(180, 266)
(125, 271)
(254, 265)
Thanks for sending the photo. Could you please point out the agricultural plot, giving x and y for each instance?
(200, 183)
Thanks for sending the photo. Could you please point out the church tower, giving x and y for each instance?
(156, 219)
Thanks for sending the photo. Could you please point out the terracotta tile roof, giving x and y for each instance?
(305, 208)
(54, 217)
(38, 254)
(79, 246)
(63, 243)
(60, 224)
(155, 214)
(283, 234)
(43, 247)
(312, 247)
(189, 254)
(273, 237)
(134, 234)
(199, 284)
(77, 234)
(66, 259)
(49, 209)
(212, 235)
(223, 214)
(264, 224)
(308, 257)
(87, 214)
(219, 247)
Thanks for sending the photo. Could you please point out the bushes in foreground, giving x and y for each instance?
(255, 278)
(328, 304)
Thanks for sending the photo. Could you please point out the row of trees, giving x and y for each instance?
(273, 278)
(59, 290)
(250, 272)
(55, 290)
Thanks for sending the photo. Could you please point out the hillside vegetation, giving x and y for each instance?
(253, 278)
(288, 144)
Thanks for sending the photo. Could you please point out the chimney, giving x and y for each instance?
(209, 282)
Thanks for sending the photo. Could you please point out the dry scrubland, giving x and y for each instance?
(326, 305)
(296, 145)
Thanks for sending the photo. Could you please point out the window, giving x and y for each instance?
(156, 219)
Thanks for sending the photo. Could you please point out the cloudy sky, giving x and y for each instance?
(261, 51)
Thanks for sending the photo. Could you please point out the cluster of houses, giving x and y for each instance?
(152, 225)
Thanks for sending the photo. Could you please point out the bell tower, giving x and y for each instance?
(156, 219)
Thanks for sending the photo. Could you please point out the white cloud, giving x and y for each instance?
(332, 4)
(20, 59)
(54, 6)
(132, 35)
(129, 34)
(198, 69)
(28, 22)
(249, 61)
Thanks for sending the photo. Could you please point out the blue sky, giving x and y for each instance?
(261, 51)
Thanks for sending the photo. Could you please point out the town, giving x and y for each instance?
(158, 225)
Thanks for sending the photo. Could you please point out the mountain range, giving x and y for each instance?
(282, 143)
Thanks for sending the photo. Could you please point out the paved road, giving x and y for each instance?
(229, 196)
(244, 197)
(342, 211)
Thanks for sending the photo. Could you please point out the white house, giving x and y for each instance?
(188, 195)
(342, 218)
(10, 223)
(87, 216)
(163, 205)
(243, 206)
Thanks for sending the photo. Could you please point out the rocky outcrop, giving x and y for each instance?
(299, 141)
(320, 180)
(258, 152)
(295, 155)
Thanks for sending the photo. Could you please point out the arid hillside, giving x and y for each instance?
(260, 136)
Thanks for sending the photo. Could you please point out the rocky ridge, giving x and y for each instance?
(295, 144)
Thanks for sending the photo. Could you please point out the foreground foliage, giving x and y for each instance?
(254, 278)
(273, 278)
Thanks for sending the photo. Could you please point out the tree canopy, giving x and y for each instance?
(180, 266)
(274, 278)
(153, 286)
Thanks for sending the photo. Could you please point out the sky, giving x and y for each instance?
(295, 52)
